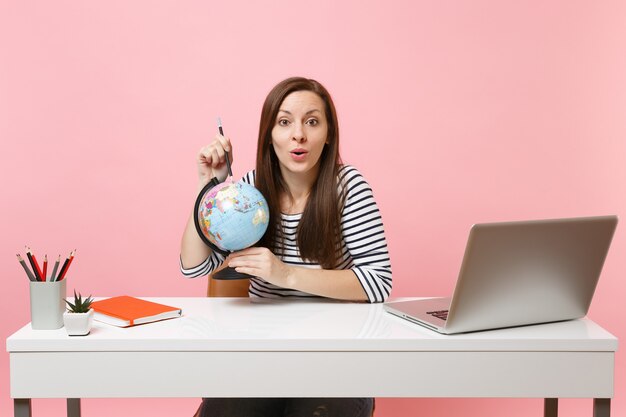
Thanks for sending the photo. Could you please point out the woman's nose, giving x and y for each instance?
(298, 133)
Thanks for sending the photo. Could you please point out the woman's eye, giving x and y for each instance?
(312, 122)
(283, 122)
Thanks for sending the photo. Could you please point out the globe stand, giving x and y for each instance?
(229, 273)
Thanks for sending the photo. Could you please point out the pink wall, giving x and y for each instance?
(478, 110)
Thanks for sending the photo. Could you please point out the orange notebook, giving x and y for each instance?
(124, 311)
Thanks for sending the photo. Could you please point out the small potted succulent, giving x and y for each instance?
(79, 316)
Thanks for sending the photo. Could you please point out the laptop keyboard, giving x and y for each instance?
(440, 314)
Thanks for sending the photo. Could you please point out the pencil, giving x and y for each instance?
(33, 264)
(54, 270)
(45, 268)
(63, 268)
(66, 266)
(219, 127)
(30, 274)
(69, 263)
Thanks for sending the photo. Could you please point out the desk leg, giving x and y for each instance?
(73, 407)
(22, 407)
(550, 407)
(601, 407)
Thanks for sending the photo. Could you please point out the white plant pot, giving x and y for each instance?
(78, 324)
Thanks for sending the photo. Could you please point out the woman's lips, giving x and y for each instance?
(298, 154)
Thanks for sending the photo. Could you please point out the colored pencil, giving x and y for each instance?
(69, 263)
(54, 270)
(30, 274)
(63, 267)
(66, 266)
(34, 264)
(44, 273)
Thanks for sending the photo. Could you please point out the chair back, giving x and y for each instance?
(227, 288)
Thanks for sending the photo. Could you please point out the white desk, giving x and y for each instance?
(229, 347)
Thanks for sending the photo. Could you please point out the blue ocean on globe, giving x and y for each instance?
(233, 216)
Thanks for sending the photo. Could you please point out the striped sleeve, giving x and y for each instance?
(209, 265)
(364, 236)
(214, 260)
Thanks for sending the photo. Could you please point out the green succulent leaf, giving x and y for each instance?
(80, 305)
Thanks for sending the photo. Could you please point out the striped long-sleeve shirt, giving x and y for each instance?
(363, 244)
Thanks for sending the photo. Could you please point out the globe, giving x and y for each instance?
(231, 216)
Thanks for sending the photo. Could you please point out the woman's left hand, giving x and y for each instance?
(260, 262)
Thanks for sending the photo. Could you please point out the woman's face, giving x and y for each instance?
(300, 133)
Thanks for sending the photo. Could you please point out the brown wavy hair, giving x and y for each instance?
(319, 231)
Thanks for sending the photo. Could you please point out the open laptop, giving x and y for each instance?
(519, 273)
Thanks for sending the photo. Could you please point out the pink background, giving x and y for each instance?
(475, 110)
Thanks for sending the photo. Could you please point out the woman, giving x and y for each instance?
(312, 198)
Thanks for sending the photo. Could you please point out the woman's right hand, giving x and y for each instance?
(212, 160)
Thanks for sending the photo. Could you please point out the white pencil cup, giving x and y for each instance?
(47, 304)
